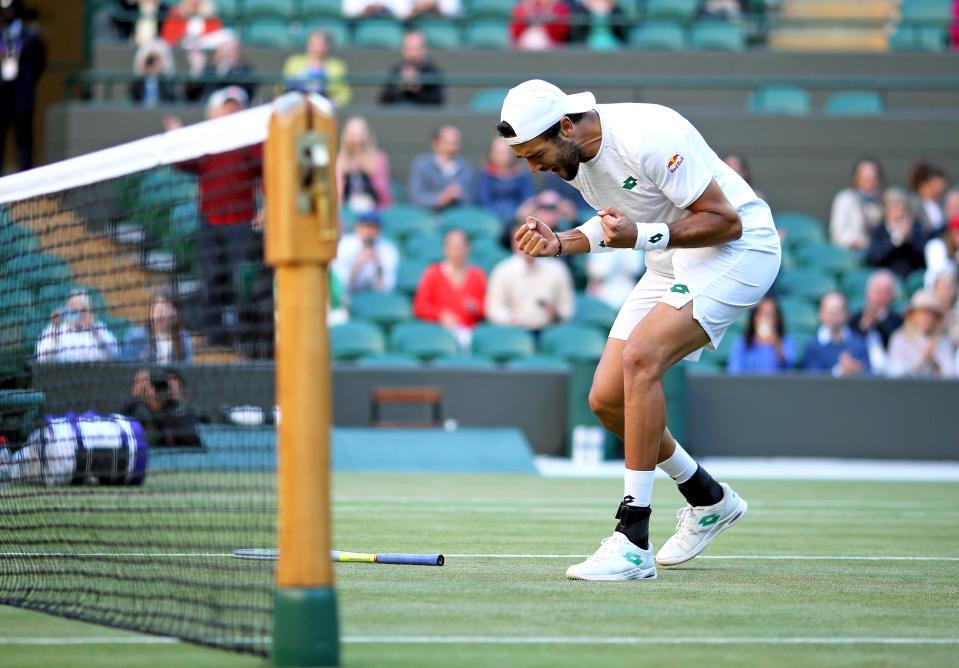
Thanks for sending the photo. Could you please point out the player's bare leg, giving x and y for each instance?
(646, 365)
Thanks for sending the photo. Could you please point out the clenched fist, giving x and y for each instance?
(618, 230)
(535, 238)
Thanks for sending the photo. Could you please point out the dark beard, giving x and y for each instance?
(570, 157)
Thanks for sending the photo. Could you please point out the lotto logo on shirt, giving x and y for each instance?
(674, 163)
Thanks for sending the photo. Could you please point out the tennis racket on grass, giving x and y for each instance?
(338, 556)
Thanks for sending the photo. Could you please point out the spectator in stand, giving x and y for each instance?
(228, 68)
(538, 25)
(163, 340)
(138, 19)
(599, 24)
(362, 169)
(415, 79)
(899, 243)
(878, 319)
(231, 223)
(942, 252)
(945, 290)
(189, 20)
(451, 292)
(723, 10)
(443, 178)
(918, 349)
(529, 292)
(365, 260)
(550, 207)
(357, 9)
(23, 58)
(612, 276)
(764, 348)
(424, 9)
(741, 167)
(836, 349)
(857, 210)
(154, 67)
(504, 183)
(928, 184)
(316, 72)
(75, 335)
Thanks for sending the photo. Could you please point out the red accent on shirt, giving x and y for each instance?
(436, 294)
(228, 184)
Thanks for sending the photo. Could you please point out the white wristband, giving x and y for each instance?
(652, 236)
(592, 229)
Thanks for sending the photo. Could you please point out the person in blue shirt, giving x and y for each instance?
(836, 349)
(504, 183)
(764, 348)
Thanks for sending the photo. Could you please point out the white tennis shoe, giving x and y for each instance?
(616, 559)
(699, 525)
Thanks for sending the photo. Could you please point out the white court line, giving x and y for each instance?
(731, 557)
(519, 640)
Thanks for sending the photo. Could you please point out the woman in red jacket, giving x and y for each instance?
(539, 25)
(451, 292)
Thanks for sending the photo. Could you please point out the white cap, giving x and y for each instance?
(536, 105)
(220, 96)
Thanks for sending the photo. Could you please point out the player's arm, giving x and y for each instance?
(536, 238)
(712, 220)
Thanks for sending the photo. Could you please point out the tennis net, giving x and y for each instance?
(136, 386)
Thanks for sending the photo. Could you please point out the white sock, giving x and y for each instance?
(680, 467)
(638, 488)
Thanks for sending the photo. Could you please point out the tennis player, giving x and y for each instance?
(712, 252)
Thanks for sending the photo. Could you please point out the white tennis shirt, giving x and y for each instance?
(652, 164)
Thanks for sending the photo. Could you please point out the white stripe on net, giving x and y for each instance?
(244, 128)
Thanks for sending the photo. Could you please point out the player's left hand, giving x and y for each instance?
(618, 230)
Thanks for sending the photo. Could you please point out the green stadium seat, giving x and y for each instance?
(391, 360)
(594, 312)
(269, 32)
(708, 364)
(355, 339)
(914, 281)
(783, 99)
(286, 9)
(384, 308)
(440, 33)
(464, 362)
(573, 342)
(798, 315)
(500, 9)
(228, 10)
(800, 228)
(913, 37)
(808, 284)
(538, 363)
(27, 269)
(487, 34)
(475, 221)
(16, 300)
(378, 34)
(117, 326)
(332, 8)
(672, 10)
(166, 187)
(800, 341)
(337, 29)
(17, 240)
(488, 100)
(502, 342)
(658, 36)
(426, 247)
(405, 220)
(423, 340)
(51, 297)
(488, 259)
(408, 275)
(854, 103)
(936, 12)
(828, 258)
(717, 36)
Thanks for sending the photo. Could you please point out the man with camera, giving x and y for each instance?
(364, 259)
(75, 335)
(159, 404)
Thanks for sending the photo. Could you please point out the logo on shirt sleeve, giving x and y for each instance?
(674, 163)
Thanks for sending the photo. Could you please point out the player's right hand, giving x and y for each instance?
(535, 238)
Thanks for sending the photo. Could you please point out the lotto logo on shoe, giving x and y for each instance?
(709, 520)
(674, 163)
(633, 558)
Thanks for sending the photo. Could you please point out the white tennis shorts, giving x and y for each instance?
(721, 281)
